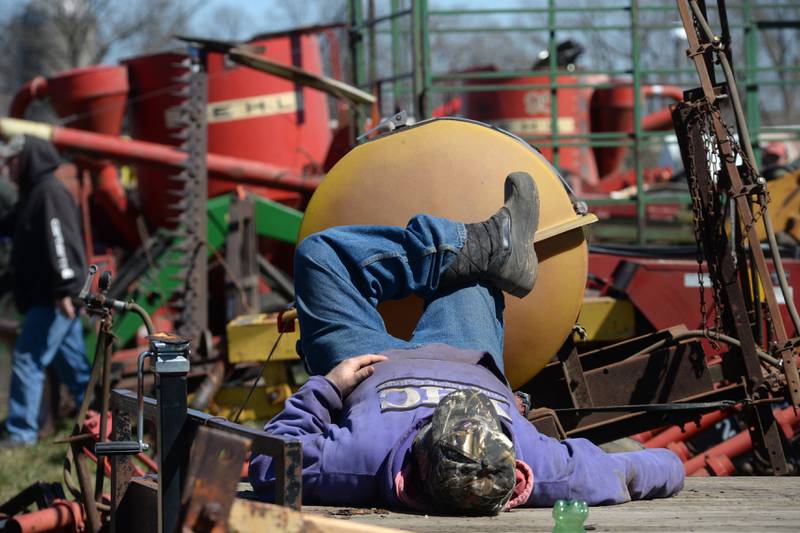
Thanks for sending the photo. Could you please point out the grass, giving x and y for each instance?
(21, 467)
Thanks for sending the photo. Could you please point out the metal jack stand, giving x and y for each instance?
(171, 367)
(169, 355)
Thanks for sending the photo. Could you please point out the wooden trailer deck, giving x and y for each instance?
(705, 504)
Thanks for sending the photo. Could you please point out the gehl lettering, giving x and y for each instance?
(252, 107)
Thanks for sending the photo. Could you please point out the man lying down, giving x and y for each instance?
(430, 424)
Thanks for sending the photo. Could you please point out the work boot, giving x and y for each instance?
(500, 249)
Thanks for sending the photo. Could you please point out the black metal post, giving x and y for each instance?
(171, 365)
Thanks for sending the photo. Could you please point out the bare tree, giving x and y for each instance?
(41, 37)
(781, 48)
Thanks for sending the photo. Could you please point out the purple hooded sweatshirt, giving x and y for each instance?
(354, 448)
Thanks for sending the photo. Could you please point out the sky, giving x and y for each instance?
(271, 15)
(255, 14)
(241, 19)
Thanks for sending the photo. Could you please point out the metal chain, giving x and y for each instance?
(698, 219)
(750, 176)
(698, 122)
(719, 215)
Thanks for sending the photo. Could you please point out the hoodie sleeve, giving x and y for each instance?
(65, 249)
(576, 469)
(307, 417)
(8, 222)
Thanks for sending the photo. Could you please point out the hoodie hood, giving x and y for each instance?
(37, 160)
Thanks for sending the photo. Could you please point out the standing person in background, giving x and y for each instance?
(47, 262)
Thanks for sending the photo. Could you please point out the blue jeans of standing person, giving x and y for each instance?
(343, 273)
(47, 337)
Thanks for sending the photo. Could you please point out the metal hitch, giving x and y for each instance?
(170, 356)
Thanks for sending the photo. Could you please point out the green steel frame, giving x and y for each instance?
(408, 22)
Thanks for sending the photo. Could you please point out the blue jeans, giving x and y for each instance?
(47, 337)
(343, 273)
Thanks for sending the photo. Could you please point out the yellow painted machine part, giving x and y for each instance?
(607, 319)
(266, 401)
(784, 205)
(251, 337)
(456, 169)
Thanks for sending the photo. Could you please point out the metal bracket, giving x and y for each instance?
(387, 125)
(214, 470)
(747, 190)
(574, 375)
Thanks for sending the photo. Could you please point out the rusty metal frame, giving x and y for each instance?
(697, 52)
(623, 374)
(742, 188)
(574, 374)
(211, 481)
(593, 379)
(665, 367)
(241, 252)
(700, 51)
(763, 426)
(285, 451)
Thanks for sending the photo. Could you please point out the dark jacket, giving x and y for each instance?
(47, 259)
(355, 448)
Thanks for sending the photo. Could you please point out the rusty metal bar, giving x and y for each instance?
(241, 171)
(105, 346)
(190, 198)
(62, 516)
(121, 465)
(575, 376)
(85, 481)
(620, 426)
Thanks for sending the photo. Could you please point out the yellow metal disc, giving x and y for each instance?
(456, 169)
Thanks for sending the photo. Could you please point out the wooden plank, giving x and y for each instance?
(245, 54)
(328, 85)
(705, 504)
(249, 516)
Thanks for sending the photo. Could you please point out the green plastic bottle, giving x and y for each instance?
(570, 516)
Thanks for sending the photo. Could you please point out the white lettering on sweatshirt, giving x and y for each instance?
(61, 250)
(406, 394)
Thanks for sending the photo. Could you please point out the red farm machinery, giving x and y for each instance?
(194, 169)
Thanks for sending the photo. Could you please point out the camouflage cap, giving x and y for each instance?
(465, 461)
